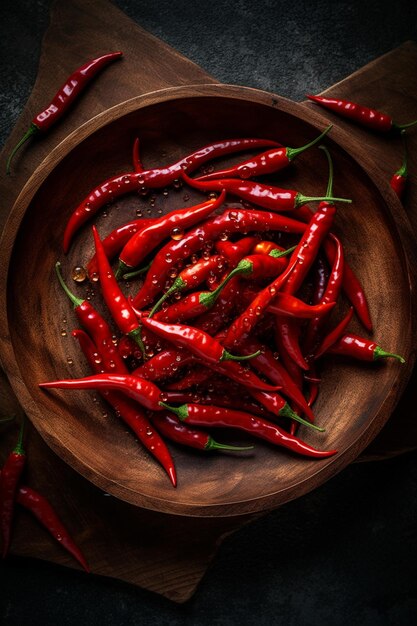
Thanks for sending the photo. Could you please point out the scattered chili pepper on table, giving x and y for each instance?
(64, 98)
(371, 119)
(9, 483)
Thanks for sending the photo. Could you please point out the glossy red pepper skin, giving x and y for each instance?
(362, 349)
(233, 252)
(334, 335)
(192, 276)
(351, 286)
(129, 182)
(9, 484)
(118, 305)
(273, 369)
(327, 290)
(114, 242)
(369, 118)
(172, 428)
(196, 341)
(212, 416)
(265, 163)
(232, 221)
(398, 181)
(266, 196)
(164, 364)
(130, 412)
(145, 240)
(65, 97)
(139, 389)
(39, 506)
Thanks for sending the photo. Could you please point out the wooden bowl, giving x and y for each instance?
(36, 343)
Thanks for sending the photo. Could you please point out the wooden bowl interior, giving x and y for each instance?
(354, 399)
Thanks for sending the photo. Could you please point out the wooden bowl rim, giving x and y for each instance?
(325, 469)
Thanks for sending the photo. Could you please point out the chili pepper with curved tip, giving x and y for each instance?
(9, 484)
(129, 182)
(145, 240)
(175, 430)
(232, 221)
(362, 349)
(139, 389)
(129, 411)
(64, 98)
(371, 119)
(96, 327)
(334, 335)
(114, 242)
(119, 306)
(212, 416)
(265, 163)
(398, 181)
(39, 506)
(266, 196)
(191, 277)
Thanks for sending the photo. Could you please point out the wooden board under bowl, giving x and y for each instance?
(36, 344)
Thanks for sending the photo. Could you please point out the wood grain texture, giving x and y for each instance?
(163, 570)
(354, 402)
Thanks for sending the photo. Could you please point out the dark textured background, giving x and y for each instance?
(347, 553)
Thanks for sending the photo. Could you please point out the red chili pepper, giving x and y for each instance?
(328, 292)
(164, 364)
(265, 163)
(97, 328)
(212, 416)
(172, 224)
(266, 196)
(334, 335)
(290, 306)
(191, 277)
(129, 412)
(9, 484)
(273, 369)
(224, 396)
(64, 98)
(123, 184)
(259, 266)
(266, 247)
(362, 349)
(304, 256)
(114, 242)
(351, 286)
(119, 306)
(232, 221)
(369, 118)
(199, 343)
(39, 506)
(233, 252)
(398, 181)
(141, 390)
(172, 428)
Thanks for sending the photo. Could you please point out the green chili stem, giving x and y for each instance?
(76, 301)
(32, 130)
(293, 152)
(136, 273)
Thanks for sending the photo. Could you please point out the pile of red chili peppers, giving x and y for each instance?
(233, 310)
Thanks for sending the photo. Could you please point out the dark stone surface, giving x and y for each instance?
(347, 553)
